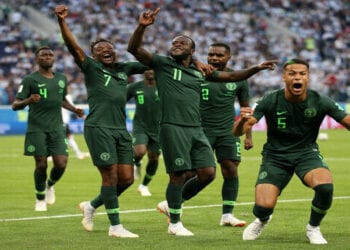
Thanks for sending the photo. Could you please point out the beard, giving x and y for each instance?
(46, 66)
(180, 57)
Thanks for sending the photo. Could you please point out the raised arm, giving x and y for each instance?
(134, 47)
(244, 74)
(61, 12)
(244, 123)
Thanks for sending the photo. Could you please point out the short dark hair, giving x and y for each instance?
(193, 43)
(295, 61)
(41, 48)
(220, 44)
(93, 43)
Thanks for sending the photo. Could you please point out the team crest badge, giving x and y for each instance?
(310, 112)
(61, 84)
(231, 86)
(122, 75)
(105, 156)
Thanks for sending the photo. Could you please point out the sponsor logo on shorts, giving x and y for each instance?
(262, 175)
(31, 148)
(105, 156)
(179, 162)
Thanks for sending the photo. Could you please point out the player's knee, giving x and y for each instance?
(210, 175)
(323, 196)
(206, 178)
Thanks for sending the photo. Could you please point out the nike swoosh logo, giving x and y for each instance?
(281, 112)
(41, 85)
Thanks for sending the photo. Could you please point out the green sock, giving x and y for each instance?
(109, 197)
(121, 189)
(97, 201)
(147, 179)
(321, 202)
(40, 183)
(55, 174)
(191, 187)
(262, 213)
(174, 197)
(151, 170)
(229, 194)
(137, 162)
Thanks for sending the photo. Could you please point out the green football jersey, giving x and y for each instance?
(147, 114)
(45, 115)
(295, 126)
(179, 91)
(106, 92)
(217, 105)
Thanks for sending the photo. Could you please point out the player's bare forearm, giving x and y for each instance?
(238, 127)
(22, 103)
(69, 106)
(19, 104)
(244, 74)
(245, 122)
(205, 69)
(135, 48)
(248, 141)
(135, 41)
(61, 12)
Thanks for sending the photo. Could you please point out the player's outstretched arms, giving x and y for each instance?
(244, 74)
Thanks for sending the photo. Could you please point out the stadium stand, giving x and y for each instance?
(256, 30)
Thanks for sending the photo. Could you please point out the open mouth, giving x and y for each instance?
(297, 85)
(107, 56)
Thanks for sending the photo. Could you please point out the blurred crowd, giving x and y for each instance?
(318, 31)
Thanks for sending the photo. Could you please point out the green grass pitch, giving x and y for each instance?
(60, 227)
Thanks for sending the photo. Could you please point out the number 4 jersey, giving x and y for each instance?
(45, 115)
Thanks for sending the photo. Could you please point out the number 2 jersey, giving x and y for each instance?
(217, 105)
